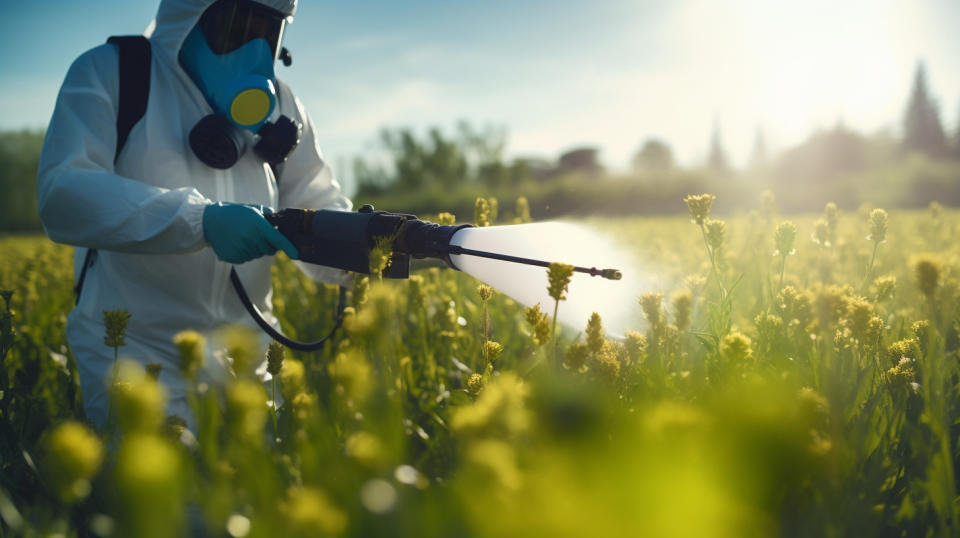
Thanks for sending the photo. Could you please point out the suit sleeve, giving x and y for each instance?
(306, 181)
(82, 202)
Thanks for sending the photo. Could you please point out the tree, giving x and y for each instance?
(483, 150)
(654, 156)
(435, 161)
(718, 156)
(19, 157)
(922, 130)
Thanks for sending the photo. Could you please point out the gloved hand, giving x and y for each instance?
(238, 233)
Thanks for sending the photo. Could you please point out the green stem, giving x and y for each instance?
(553, 331)
(276, 432)
(116, 364)
(713, 262)
(783, 267)
(486, 323)
(866, 277)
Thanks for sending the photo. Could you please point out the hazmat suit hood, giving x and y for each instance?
(175, 19)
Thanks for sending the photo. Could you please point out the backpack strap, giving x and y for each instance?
(134, 92)
(135, 59)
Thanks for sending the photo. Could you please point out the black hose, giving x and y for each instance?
(277, 335)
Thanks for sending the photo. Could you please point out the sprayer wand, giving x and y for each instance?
(609, 274)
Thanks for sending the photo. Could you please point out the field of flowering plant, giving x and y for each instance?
(792, 377)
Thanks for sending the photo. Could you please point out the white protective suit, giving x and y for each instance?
(144, 214)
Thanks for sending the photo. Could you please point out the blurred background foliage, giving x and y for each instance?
(438, 170)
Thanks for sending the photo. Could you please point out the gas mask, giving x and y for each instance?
(230, 55)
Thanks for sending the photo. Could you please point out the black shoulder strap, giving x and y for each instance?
(134, 72)
(134, 51)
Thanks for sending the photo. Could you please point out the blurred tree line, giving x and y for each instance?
(446, 171)
(19, 155)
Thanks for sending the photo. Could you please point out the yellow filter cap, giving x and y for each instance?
(250, 107)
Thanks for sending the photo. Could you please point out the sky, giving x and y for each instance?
(557, 74)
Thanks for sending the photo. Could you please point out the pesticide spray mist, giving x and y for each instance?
(615, 301)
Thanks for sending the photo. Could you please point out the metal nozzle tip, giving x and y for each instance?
(611, 274)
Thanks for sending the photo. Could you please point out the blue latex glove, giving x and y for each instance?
(238, 233)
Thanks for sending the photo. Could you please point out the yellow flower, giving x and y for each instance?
(652, 310)
(716, 233)
(496, 458)
(699, 206)
(902, 374)
(921, 332)
(361, 283)
(605, 362)
(190, 347)
(138, 400)
(364, 447)
(475, 384)
(149, 486)
(292, 378)
(636, 344)
(736, 347)
(74, 455)
(596, 336)
(351, 370)
(247, 409)
(885, 287)
(115, 323)
(491, 350)
(481, 213)
(500, 409)
(494, 206)
(485, 292)
(928, 274)
(907, 348)
(540, 323)
(859, 314)
(242, 345)
(275, 354)
(783, 237)
(878, 226)
(522, 210)
(767, 324)
(874, 330)
(415, 293)
(380, 255)
(576, 356)
(446, 219)
(309, 512)
(821, 233)
(796, 306)
(559, 275)
(682, 309)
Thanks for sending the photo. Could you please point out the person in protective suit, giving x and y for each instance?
(185, 197)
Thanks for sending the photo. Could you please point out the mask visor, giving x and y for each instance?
(229, 24)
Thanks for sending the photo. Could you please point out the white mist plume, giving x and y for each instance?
(614, 300)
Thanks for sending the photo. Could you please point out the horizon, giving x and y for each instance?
(563, 75)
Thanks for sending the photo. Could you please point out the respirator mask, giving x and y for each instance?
(230, 55)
